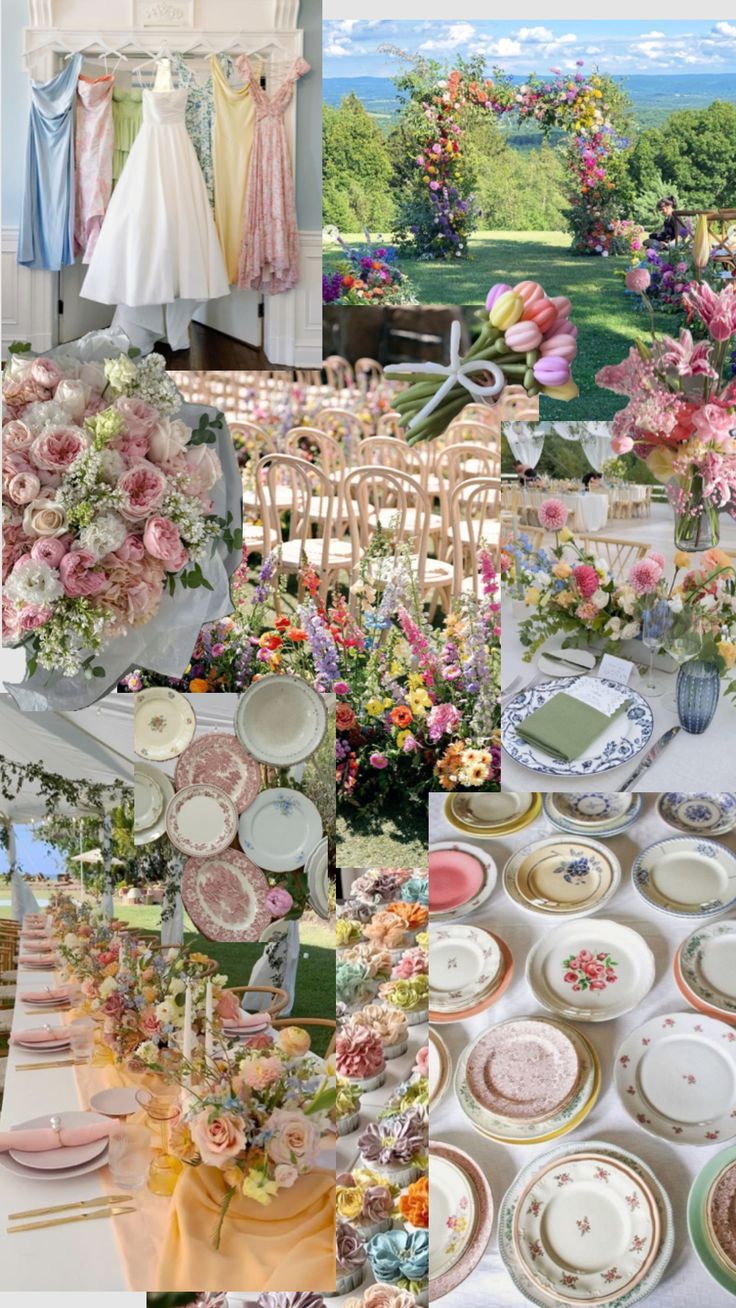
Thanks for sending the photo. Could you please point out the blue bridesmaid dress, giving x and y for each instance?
(46, 238)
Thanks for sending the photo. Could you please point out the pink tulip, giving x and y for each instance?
(565, 347)
(562, 305)
(523, 336)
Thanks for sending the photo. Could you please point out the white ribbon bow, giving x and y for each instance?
(456, 374)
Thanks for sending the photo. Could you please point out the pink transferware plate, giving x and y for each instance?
(201, 821)
(220, 760)
(225, 896)
(464, 1226)
(523, 1069)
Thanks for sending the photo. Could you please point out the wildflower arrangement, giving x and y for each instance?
(367, 274)
(105, 503)
(612, 236)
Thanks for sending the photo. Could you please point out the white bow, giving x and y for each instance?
(457, 373)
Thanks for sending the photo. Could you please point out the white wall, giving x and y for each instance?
(16, 106)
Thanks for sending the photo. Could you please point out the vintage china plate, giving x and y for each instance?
(440, 1068)
(461, 879)
(153, 791)
(219, 760)
(489, 996)
(502, 829)
(523, 1070)
(280, 720)
(676, 1077)
(62, 1174)
(686, 876)
(163, 723)
(464, 963)
(590, 971)
(558, 876)
(510, 1203)
(280, 829)
(201, 821)
(472, 1233)
(560, 808)
(42, 1046)
(586, 1229)
(706, 1228)
(225, 896)
(707, 966)
(54, 1160)
(489, 811)
(698, 814)
(622, 740)
(317, 868)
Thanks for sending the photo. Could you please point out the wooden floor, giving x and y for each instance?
(211, 351)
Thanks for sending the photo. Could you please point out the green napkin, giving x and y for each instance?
(564, 727)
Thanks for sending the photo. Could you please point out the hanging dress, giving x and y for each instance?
(127, 116)
(158, 242)
(199, 116)
(93, 155)
(269, 249)
(232, 140)
(46, 236)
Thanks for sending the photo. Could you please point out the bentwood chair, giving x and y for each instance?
(278, 1002)
(474, 517)
(315, 521)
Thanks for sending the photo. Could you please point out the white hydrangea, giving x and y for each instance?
(34, 582)
(45, 413)
(600, 598)
(104, 534)
(111, 466)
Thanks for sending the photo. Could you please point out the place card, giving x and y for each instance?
(615, 669)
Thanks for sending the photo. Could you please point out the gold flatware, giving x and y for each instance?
(62, 1208)
(34, 1012)
(39, 1067)
(65, 1221)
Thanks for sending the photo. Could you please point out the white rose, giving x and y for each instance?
(93, 375)
(167, 440)
(108, 987)
(19, 366)
(43, 517)
(600, 598)
(630, 631)
(204, 468)
(72, 396)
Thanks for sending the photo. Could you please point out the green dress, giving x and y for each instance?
(127, 112)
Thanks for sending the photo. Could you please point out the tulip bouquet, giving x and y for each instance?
(527, 338)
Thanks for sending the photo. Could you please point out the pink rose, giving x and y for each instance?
(78, 576)
(143, 487)
(24, 487)
(162, 540)
(285, 1175)
(45, 372)
(140, 418)
(16, 436)
(48, 549)
(260, 1073)
(150, 1025)
(203, 469)
(168, 439)
(218, 1140)
(132, 550)
(57, 447)
(294, 1138)
(278, 901)
(132, 449)
(33, 616)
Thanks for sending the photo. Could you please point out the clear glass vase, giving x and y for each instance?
(696, 518)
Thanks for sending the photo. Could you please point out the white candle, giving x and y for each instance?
(188, 1034)
(208, 1022)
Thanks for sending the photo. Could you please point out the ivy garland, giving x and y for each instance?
(56, 790)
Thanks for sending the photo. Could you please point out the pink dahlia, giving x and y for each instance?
(586, 579)
(638, 279)
(645, 576)
(552, 515)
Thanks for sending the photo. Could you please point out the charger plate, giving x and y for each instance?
(559, 876)
(474, 1233)
(676, 1077)
(706, 963)
(698, 814)
(461, 878)
(686, 876)
(590, 971)
(506, 829)
(700, 1221)
(164, 723)
(440, 1068)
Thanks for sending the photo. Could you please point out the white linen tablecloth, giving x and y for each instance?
(685, 1282)
(591, 511)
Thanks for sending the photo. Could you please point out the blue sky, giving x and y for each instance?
(33, 855)
(351, 46)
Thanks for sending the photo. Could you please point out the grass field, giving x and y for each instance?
(606, 318)
(391, 836)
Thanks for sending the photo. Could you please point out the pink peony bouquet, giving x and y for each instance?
(105, 503)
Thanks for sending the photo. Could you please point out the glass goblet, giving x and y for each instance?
(656, 619)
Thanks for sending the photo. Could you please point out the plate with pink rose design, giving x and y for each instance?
(201, 820)
(225, 896)
(219, 759)
(590, 970)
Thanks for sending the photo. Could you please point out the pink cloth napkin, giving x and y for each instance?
(35, 1036)
(32, 995)
(51, 959)
(233, 1015)
(36, 1139)
(38, 945)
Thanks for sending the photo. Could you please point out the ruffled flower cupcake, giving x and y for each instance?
(359, 1057)
(353, 983)
(412, 997)
(356, 909)
(389, 1024)
(410, 1094)
(414, 962)
(387, 930)
(383, 1296)
(347, 932)
(366, 1201)
(397, 1146)
(415, 916)
(377, 961)
(347, 1105)
(422, 939)
(350, 1257)
(378, 885)
(416, 890)
(401, 1258)
(421, 1063)
(413, 1204)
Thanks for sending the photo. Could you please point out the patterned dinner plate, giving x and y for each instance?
(625, 737)
(225, 896)
(280, 829)
(711, 1218)
(280, 720)
(698, 814)
(558, 876)
(461, 1229)
(591, 970)
(440, 1068)
(152, 793)
(686, 876)
(219, 760)
(707, 966)
(489, 811)
(517, 823)
(490, 995)
(201, 821)
(597, 815)
(163, 723)
(464, 963)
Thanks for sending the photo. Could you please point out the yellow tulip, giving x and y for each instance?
(565, 535)
(701, 243)
(682, 560)
(727, 652)
(507, 310)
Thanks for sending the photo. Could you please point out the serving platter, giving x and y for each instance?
(461, 878)
(439, 1068)
(201, 821)
(686, 876)
(698, 814)
(706, 963)
(153, 792)
(596, 815)
(280, 720)
(523, 819)
(218, 759)
(280, 829)
(225, 896)
(712, 1232)
(590, 971)
(624, 738)
(490, 996)
(464, 1211)
(558, 876)
(164, 724)
(464, 963)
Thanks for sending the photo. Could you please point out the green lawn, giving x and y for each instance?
(390, 836)
(606, 318)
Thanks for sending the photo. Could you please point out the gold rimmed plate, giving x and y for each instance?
(516, 823)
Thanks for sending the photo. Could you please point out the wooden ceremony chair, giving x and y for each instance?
(617, 552)
(338, 372)
(474, 519)
(314, 518)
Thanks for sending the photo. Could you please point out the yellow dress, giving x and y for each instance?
(232, 141)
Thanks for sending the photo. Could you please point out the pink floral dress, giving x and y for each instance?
(93, 150)
(269, 249)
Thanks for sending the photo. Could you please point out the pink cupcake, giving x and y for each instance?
(359, 1057)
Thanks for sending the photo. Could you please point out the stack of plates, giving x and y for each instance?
(43, 1046)
(559, 877)
(492, 815)
(705, 970)
(586, 1224)
(461, 879)
(686, 876)
(440, 1068)
(469, 969)
(527, 1080)
(40, 1004)
(460, 1217)
(711, 1218)
(627, 734)
(38, 962)
(61, 1164)
(593, 814)
(698, 815)
(676, 1077)
(590, 971)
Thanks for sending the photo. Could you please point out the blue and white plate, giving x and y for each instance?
(686, 876)
(625, 737)
(704, 815)
(280, 830)
(597, 815)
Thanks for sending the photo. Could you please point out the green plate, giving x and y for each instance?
(696, 1220)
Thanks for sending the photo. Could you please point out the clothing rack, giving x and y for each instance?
(138, 46)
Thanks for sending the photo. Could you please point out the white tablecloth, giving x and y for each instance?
(686, 1283)
(696, 762)
(591, 511)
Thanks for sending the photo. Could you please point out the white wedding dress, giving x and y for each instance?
(158, 246)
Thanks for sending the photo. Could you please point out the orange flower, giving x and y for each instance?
(414, 1202)
(414, 915)
(348, 280)
(270, 640)
(296, 634)
(401, 716)
(198, 685)
(345, 719)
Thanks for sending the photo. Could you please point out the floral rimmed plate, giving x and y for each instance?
(219, 759)
(280, 720)
(625, 737)
(523, 1070)
(225, 896)
(490, 996)
(317, 868)
(461, 1230)
(464, 963)
(586, 1229)
(591, 970)
(152, 792)
(440, 1068)
(510, 1202)
(708, 1228)
(502, 829)
(559, 876)
(686, 876)
(698, 814)
(575, 813)
(461, 878)
(676, 1077)
(706, 962)
(163, 723)
(201, 821)
(280, 829)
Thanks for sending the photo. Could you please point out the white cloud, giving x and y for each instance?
(535, 35)
(506, 47)
(593, 50)
(652, 36)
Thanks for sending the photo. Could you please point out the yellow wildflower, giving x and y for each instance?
(533, 595)
(374, 707)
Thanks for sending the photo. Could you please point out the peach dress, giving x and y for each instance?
(269, 249)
